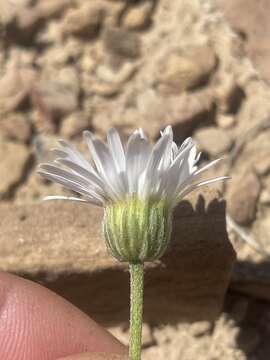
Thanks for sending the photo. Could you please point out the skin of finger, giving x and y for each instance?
(35, 323)
(96, 356)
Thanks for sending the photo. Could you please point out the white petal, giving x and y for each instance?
(116, 149)
(74, 154)
(70, 198)
(142, 134)
(148, 182)
(58, 197)
(105, 164)
(69, 184)
(206, 182)
(137, 155)
(54, 170)
(174, 151)
(207, 166)
(202, 183)
(87, 174)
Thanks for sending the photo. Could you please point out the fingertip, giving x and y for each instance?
(44, 326)
(96, 356)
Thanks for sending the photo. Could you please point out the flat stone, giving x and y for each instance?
(60, 245)
(13, 161)
(213, 140)
(243, 193)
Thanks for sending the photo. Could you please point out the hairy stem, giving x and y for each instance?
(136, 310)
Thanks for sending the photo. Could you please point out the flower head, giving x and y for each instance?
(138, 186)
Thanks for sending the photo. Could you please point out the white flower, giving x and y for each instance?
(138, 187)
(163, 170)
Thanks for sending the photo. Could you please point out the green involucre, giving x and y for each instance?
(137, 230)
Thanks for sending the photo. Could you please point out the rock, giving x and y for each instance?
(60, 96)
(74, 124)
(251, 19)
(84, 21)
(265, 197)
(183, 70)
(103, 89)
(226, 121)
(122, 42)
(138, 17)
(213, 140)
(87, 62)
(200, 328)
(57, 57)
(13, 163)
(119, 76)
(262, 166)
(25, 23)
(15, 127)
(252, 278)
(154, 112)
(109, 82)
(243, 193)
(60, 244)
(210, 346)
(229, 94)
(15, 86)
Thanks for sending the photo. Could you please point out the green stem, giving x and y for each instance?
(136, 310)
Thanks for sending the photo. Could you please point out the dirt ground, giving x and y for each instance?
(200, 65)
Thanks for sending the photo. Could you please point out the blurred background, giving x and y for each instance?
(201, 66)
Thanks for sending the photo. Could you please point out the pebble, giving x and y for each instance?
(60, 95)
(122, 42)
(84, 21)
(262, 165)
(243, 193)
(138, 17)
(183, 70)
(265, 197)
(200, 328)
(107, 74)
(225, 121)
(13, 161)
(15, 127)
(229, 95)
(74, 124)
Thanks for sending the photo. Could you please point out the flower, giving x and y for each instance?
(138, 186)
